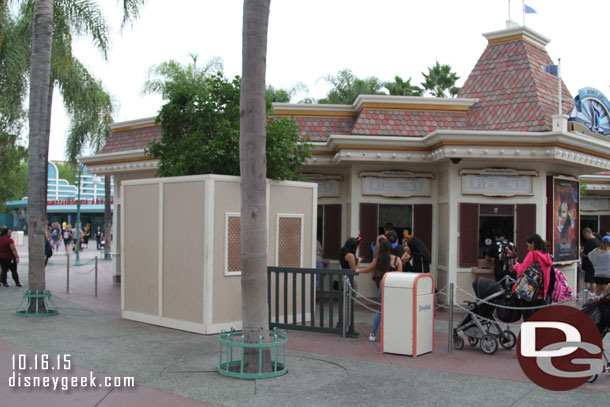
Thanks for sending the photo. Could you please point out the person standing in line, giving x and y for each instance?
(498, 251)
(590, 243)
(9, 258)
(537, 252)
(419, 255)
(347, 255)
(383, 262)
(600, 258)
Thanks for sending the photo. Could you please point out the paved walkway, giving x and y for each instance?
(175, 368)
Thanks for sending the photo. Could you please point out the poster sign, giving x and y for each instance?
(565, 219)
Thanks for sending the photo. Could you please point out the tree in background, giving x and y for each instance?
(200, 124)
(14, 63)
(400, 87)
(347, 87)
(439, 80)
(46, 41)
(66, 171)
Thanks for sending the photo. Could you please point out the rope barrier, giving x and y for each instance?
(507, 306)
(83, 273)
(352, 290)
(84, 264)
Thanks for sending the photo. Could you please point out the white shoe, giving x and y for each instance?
(372, 337)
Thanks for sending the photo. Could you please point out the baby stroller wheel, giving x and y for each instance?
(473, 341)
(458, 342)
(508, 339)
(592, 378)
(489, 344)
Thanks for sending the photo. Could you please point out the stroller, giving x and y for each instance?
(479, 324)
(599, 311)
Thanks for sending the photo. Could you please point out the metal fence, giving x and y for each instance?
(314, 296)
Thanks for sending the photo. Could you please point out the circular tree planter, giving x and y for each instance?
(37, 304)
(232, 345)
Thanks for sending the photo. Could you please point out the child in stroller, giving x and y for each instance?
(599, 311)
(479, 323)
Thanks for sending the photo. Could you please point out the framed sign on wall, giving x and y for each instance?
(566, 219)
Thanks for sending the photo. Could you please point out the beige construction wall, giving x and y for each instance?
(140, 239)
(180, 258)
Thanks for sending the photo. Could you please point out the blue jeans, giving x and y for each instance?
(377, 320)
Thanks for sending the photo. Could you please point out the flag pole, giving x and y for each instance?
(523, 11)
(559, 82)
(509, 10)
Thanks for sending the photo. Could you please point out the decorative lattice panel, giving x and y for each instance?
(233, 244)
(289, 242)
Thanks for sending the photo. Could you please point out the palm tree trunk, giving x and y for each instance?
(253, 169)
(39, 114)
(107, 217)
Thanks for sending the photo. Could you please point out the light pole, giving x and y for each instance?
(77, 259)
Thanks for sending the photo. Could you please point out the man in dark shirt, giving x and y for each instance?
(501, 268)
(590, 243)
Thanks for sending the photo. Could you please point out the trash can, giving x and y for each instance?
(407, 313)
(17, 237)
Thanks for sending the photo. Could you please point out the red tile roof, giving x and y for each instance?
(320, 128)
(406, 122)
(133, 139)
(515, 93)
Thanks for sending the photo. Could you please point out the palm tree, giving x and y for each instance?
(253, 182)
(44, 43)
(39, 114)
(400, 87)
(347, 88)
(440, 79)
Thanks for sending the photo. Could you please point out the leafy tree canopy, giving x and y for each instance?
(439, 80)
(11, 174)
(347, 87)
(67, 172)
(200, 126)
(400, 87)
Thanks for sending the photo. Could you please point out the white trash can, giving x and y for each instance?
(407, 313)
(17, 237)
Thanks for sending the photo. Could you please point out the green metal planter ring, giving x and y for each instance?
(37, 304)
(235, 368)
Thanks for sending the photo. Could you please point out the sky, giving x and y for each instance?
(309, 40)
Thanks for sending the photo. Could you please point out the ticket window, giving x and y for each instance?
(589, 221)
(416, 218)
(494, 217)
(401, 216)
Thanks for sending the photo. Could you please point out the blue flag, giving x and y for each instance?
(528, 9)
(552, 69)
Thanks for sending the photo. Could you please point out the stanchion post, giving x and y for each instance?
(68, 273)
(95, 276)
(450, 317)
(345, 305)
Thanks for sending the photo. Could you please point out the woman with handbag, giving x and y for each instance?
(537, 261)
(383, 262)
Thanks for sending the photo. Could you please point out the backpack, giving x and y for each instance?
(47, 249)
(507, 254)
(561, 289)
(529, 284)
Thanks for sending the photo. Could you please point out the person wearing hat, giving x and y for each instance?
(600, 258)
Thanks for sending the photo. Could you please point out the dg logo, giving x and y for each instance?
(559, 348)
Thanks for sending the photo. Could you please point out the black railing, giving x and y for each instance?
(316, 289)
